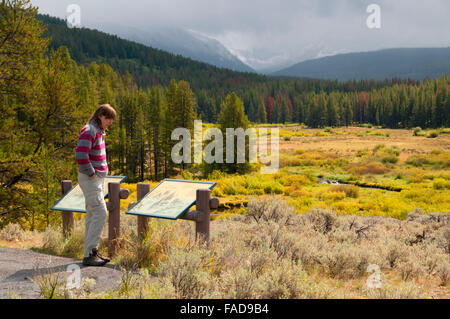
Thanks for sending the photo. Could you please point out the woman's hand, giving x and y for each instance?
(92, 177)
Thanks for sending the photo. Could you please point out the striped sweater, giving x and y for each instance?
(90, 153)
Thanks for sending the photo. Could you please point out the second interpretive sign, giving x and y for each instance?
(169, 199)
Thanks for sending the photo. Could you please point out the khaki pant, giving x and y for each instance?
(96, 211)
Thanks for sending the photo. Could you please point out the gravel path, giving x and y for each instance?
(18, 266)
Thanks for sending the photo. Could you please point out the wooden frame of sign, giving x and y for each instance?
(170, 199)
(171, 191)
(73, 200)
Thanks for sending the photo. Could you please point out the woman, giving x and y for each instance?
(90, 155)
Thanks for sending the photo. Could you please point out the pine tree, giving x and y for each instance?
(261, 115)
(322, 109)
(45, 189)
(169, 124)
(232, 115)
(285, 115)
(141, 137)
(447, 107)
(185, 106)
(21, 45)
(38, 109)
(332, 116)
(155, 118)
(348, 113)
(439, 111)
(270, 109)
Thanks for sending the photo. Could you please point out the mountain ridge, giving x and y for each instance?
(414, 63)
(187, 43)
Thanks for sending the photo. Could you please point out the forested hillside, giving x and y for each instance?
(391, 103)
(148, 66)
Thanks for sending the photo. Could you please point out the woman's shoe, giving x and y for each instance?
(95, 251)
(93, 260)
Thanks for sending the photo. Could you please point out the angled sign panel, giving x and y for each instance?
(73, 201)
(169, 199)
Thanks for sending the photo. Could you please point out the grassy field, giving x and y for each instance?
(390, 159)
(287, 236)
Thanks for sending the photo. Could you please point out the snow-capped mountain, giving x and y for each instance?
(187, 43)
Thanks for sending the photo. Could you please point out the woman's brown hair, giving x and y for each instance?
(105, 110)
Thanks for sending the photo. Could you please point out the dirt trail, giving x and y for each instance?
(18, 266)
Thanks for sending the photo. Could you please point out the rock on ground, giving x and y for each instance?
(18, 267)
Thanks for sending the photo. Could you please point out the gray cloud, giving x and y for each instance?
(269, 32)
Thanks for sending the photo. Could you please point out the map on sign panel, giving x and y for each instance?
(169, 199)
(74, 201)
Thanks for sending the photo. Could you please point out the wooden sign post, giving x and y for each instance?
(201, 216)
(142, 190)
(67, 217)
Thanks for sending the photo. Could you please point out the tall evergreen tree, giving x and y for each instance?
(348, 112)
(155, 125)
(232, 115)
(261, 115)
(38, 109)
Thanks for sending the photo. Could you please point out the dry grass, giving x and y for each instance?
(14, 236)
(272, 252)
(348, 142)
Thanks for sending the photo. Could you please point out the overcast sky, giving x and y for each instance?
(269, 31)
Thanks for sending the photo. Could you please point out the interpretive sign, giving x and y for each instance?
(74, 201)
(170, 199)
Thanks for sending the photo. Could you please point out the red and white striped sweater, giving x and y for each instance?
(90, 153)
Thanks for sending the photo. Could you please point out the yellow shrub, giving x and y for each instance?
(346, 207)
(296, 189)
(301, 179)
(440, 183)
(348, 190)
(131, 198)
(300, 133)
(416, 178)
(299, 193)
(249, 185)
(284, 133)
(321, 205)
(371, 208)
(395, 208)
(288, 160)
(332, 196)
(232, 187)
(376, 133)
(436, 158)
(371, 168)
(303, 203)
